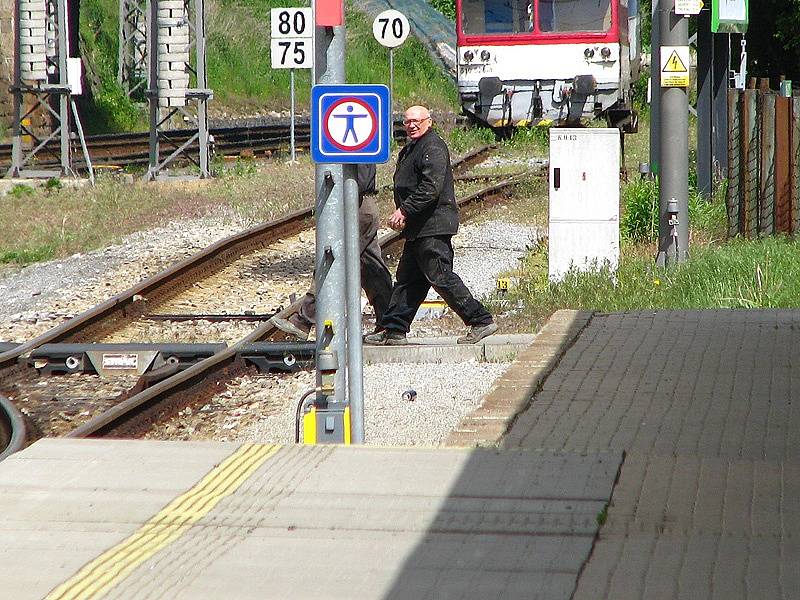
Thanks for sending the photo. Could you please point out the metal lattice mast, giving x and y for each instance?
(42, 87)
(132, 64)
(176, 44)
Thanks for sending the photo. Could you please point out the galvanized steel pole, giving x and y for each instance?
(391, 80)
(329, 274)
(673, 232)
(291, 117)
(355, 355)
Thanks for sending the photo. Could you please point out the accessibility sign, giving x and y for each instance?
(350, 124)
(675, 62)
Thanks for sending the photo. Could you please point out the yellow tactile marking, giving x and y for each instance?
(108, 569)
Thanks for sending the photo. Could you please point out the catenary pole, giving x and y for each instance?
(673, 232)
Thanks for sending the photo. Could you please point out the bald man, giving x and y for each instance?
(427, 216)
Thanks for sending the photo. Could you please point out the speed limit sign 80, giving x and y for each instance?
(291, 44)
(390, 28)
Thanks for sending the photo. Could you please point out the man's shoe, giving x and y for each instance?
(477, 332)
(373, 332)
(387, 337)
(290, 328)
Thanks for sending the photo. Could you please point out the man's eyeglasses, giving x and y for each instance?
(415, 121)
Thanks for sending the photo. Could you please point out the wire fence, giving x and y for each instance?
(763, 196)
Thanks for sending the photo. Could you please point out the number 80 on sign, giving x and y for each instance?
(292, 39)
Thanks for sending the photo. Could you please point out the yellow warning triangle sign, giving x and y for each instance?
(674, 64)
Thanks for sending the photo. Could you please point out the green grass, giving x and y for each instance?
(104, 107)
(461, 140)
(240, 72)
(25, 256)
(239, 65)
(739, 273)
(417, 79)
(43, 223)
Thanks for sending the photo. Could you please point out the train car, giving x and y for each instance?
(521, 62)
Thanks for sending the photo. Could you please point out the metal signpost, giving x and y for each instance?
(350, 124)
(292, 47)
(391, 29)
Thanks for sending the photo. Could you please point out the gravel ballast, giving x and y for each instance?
(262, 408)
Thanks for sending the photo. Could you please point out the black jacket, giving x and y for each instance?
(423, 188)
(365, 178)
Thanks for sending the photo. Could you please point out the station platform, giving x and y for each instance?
(637, 455)
(144, 519)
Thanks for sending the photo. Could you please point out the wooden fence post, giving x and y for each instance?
(782, 159)
(795, 159)
(766, 196)
(735, 137)
(750, 158)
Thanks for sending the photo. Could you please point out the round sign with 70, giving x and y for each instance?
(390, 28)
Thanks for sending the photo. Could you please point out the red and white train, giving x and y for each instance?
(522, 62)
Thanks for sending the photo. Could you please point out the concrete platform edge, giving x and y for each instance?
(513, 392)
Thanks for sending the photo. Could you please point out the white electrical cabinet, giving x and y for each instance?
(584, 200)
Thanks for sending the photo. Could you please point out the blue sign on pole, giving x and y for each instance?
(350, 124)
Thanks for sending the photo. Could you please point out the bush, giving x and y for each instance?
(446, 7)
(639, 221)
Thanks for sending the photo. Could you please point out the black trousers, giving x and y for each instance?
(428, 262)
(376, 280)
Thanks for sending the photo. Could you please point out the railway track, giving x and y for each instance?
(13, 431)
(154, 398)
(134, 148)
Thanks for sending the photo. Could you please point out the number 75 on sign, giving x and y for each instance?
(292, 38)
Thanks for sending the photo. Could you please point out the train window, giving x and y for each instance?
(574, 15)
(496, 16)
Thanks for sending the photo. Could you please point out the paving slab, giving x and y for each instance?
(704, 404)
(687, 527)
(206, 520)
(703, 383)
(446, 349)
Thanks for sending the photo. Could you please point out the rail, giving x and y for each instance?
(137, 412)
(13, 432)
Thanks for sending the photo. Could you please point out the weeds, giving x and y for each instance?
(639, 220)
(602, 516)
(461, 140)
(740, 273)
(53, 184)
(20, 190)
(535, 138)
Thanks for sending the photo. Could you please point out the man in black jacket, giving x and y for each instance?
(428, 217)
(376, 280)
